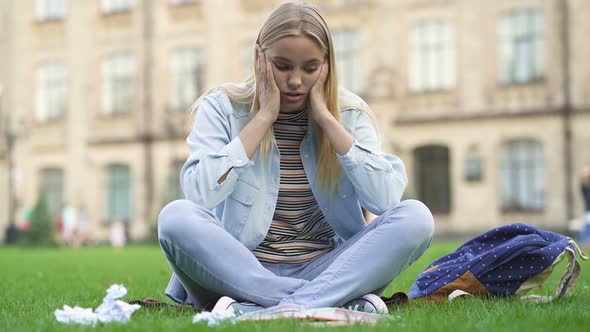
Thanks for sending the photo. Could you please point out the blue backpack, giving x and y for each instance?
(508, 260)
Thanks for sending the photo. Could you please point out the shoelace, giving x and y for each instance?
(355, 307)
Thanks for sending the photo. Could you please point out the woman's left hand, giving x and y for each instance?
(318, 108)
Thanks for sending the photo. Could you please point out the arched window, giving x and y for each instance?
(432, 177)
(522, 175)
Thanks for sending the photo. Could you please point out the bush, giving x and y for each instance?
(40, 232)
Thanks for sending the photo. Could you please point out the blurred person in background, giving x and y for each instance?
(585, 188)
(10, 234)
(117, 234)
(69, 224)
(83, 235)
(25, 222)
(279, 169)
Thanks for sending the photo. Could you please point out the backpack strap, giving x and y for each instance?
(571, 274)
(566, 283)
(568, 278)
(397, 299)
(458, 293)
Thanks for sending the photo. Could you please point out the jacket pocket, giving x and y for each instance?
(375, 164)
(345, 189)
(238, 207)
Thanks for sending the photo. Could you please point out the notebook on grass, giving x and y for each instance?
(315, 315)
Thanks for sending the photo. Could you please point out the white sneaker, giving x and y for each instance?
(370, 303)
(228, 305)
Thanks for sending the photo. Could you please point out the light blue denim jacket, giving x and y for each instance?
(245, 201)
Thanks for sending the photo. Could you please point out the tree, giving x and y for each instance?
(40, 231)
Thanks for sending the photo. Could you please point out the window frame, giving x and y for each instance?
(173, 186)
(432, 56)
(182, 2)
(51, 184)
(108, 7)
(433, 179)
(51, 85)
(118, 88)
(522, 176)
(180, 66)
(51, 10)
(522, 46)
(347, 48)
(118, 185)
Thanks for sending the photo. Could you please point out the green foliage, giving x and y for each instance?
(40, 232)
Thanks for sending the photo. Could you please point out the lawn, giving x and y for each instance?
(34, 282)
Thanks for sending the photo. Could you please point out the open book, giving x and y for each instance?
(317, 315)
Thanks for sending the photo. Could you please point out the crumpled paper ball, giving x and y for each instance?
(111, 310)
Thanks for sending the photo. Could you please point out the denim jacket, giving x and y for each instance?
(245, 201)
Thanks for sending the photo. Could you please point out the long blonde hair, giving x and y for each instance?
(294, 19)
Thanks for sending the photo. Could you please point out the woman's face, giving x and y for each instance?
(296, 63)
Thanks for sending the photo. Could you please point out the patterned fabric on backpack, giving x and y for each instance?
(508, 260)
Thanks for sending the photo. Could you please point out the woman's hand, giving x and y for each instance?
(318, 108)
(340, 139)
(269, 105)
(270, 95)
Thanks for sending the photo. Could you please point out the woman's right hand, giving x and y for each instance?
(270, 95)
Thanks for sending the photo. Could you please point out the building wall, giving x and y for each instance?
(477, 110)
(481, 111)
(477, 205)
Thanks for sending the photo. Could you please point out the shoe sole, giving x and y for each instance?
(376, 301)
(224, 305)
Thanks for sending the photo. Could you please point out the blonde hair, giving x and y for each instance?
(294, 19)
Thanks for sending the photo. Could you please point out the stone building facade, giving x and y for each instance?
(487, 102)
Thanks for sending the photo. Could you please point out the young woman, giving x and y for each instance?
(279, 169)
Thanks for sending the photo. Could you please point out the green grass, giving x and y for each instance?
(35, 282)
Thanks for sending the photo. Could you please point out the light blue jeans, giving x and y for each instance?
(210, 263)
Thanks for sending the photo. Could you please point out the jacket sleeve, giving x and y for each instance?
(212, 152)
(378, 178)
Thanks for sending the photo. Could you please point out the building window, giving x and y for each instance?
(522, 176)
(51, 9)
(51, 91)
(118, 193)
(173, 188)
(432, 57)
(182, 2)
(187, 78)
(118, 84)
(473, 164)
(522, 47)
(116, 6)
(433, 178)
(346, 49)
(52, 186)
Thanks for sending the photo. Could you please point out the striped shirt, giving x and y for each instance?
(298, 232)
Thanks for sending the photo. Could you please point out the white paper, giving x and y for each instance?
(76, 315)
(111, 310)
